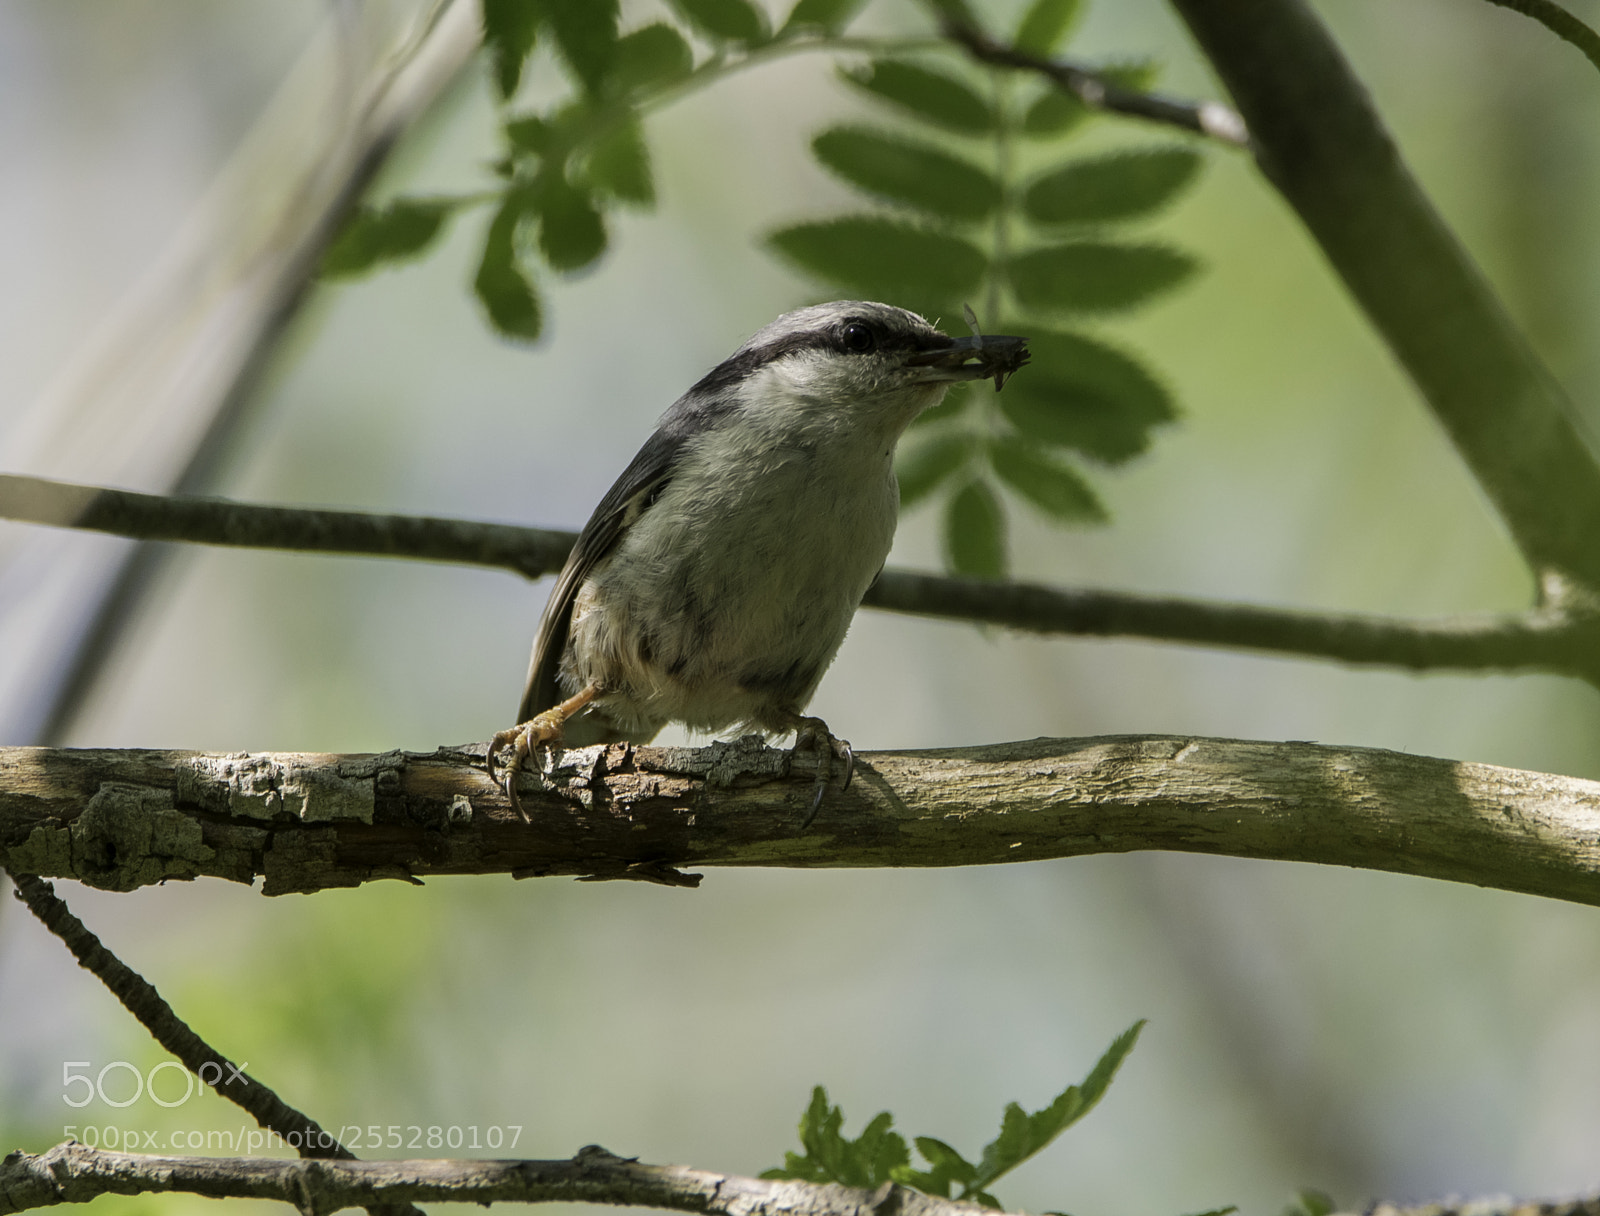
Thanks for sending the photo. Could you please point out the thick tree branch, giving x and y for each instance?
(71, 1173)
(123, 819)
(1203, 117)
(1564, 638)
(140, 998)
(1319, 140)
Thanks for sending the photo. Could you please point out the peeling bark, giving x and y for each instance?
(305, 822)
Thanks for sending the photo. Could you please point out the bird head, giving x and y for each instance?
(868, 359)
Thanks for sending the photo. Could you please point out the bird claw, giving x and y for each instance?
(542, 730)
(813, 733)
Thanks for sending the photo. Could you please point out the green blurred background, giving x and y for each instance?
(1371, 1035)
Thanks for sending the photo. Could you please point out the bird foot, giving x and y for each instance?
(542, 730)
(813, 734)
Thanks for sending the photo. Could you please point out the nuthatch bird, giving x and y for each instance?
(716, 580)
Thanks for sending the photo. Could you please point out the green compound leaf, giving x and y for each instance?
(1046, 24)
(507, 295)
(884, 259)
(572, 233)
(1096, 276)
(619, 166)
(1022, 1135)
(958, 11)
(1053, 487)
(1053, 115)
(1119, 186)
(376, 235)
(1311, 1203)
(928, 94)
(1136, 74)
(945, 1166)
(1082, 394)
(724, 20)
(915, 174)
(650, 55)
(510, 28)
(922, 466)
(975, 535)
(829, 16)
(531, 133)
(586, 33)
(867, 1161)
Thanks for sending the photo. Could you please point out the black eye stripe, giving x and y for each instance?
(886, 339)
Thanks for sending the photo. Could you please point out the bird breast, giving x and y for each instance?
(728, 598)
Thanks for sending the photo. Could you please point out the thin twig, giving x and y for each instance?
(1537, 640)
(216, 521)
(1552, 639)
(1560, 23)
(1094, 90)
(140, 998)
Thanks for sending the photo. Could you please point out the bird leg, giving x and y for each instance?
(813, 733)
(541, 730)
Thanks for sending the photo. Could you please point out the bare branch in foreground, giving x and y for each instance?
(1203, 118)
(124, 819)
(1563, 639)
(71, 1173)
(141, 999)
(1582, 1205)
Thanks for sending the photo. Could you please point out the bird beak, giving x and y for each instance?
(980, 357)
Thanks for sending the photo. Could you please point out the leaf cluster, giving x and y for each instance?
(956, 219)
(564, 169)
(880, 1154)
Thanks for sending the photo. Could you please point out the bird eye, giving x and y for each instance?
(858, 338)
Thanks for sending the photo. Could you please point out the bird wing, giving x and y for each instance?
(644, 478)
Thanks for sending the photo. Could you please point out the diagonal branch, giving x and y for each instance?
(1095, 91)
(1560, 23)
(124, 819)
(213, 1068)
(1564, 639)
(163, 389)
(1319, 140)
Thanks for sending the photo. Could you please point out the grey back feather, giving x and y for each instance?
(644, 478)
